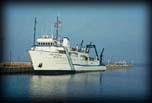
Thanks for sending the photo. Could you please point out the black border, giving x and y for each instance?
(2, 38)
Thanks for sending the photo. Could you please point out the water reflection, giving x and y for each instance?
(111, 84)
(65, 86)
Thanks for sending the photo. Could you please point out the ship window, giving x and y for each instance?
(76, 54)
(55, 43)
(91, 58)
(62, 51)
(85, 57)
(73, 49)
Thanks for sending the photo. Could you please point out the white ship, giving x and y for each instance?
(55, 54)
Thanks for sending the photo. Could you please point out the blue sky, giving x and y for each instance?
(120, 29)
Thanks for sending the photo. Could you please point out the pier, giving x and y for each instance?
(26, 67)
(16, 67)
(117, 66)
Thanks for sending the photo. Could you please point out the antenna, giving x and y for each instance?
(35, 22)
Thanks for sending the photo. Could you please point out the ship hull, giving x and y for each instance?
(89, 68)
(44, 61)
(49, 62)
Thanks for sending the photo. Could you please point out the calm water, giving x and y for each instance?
(111, 84)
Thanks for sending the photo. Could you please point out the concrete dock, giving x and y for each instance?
(26, 67)
(16, 67)
(116, 66)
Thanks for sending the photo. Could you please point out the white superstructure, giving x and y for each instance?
(56, 55)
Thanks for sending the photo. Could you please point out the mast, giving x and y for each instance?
(35, 22)
(57, 26)
(51, 32)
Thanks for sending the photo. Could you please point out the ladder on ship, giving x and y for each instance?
(69, 59)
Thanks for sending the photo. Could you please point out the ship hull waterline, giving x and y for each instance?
(54, 72)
